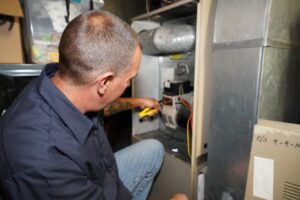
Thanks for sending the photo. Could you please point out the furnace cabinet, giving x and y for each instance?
(162, 72)
(244, 67)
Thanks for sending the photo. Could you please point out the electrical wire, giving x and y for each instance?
(189, 107)
(182, 100)
(188, 136)
(186, 103)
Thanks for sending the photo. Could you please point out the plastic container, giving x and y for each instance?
(44, 23)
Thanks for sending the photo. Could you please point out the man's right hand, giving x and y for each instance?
(179, 197)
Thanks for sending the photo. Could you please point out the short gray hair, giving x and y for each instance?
(93, 43)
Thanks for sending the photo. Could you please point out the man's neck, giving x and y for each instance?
(75, 93)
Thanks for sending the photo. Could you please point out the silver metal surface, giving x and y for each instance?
(238, 44)
(284, 24)
(258, 22)
(168, 39)
(233, 114)
(255, 75)
(21, 69)
(280, 86)
(240, 20)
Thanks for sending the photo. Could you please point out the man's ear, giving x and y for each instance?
(103, 81)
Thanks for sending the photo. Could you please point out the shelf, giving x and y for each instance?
(175, 10)
(21, 69)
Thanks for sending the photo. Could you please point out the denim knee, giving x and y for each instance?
(156, 151)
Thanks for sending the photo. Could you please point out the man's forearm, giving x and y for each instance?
(120, 104)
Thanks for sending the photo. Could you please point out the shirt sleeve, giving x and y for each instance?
(59, 180)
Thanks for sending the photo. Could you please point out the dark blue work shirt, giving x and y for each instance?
(49, 150)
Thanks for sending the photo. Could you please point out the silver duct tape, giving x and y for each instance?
(170, 39)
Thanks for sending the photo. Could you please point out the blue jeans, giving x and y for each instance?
(138, 164)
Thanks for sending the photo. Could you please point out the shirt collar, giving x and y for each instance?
(78, 123)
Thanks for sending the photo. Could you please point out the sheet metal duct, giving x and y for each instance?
(168, 39)
(256, 51)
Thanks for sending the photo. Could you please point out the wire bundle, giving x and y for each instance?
(189, 122)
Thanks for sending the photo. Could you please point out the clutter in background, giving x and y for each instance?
(10, 36)
(44, 23)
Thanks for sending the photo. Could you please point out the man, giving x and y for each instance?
(51, 144)
(50, 149)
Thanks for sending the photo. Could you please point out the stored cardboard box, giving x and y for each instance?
(10, 36)
(275, 162)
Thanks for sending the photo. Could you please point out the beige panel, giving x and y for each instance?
(274, 164)
(203, 77)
